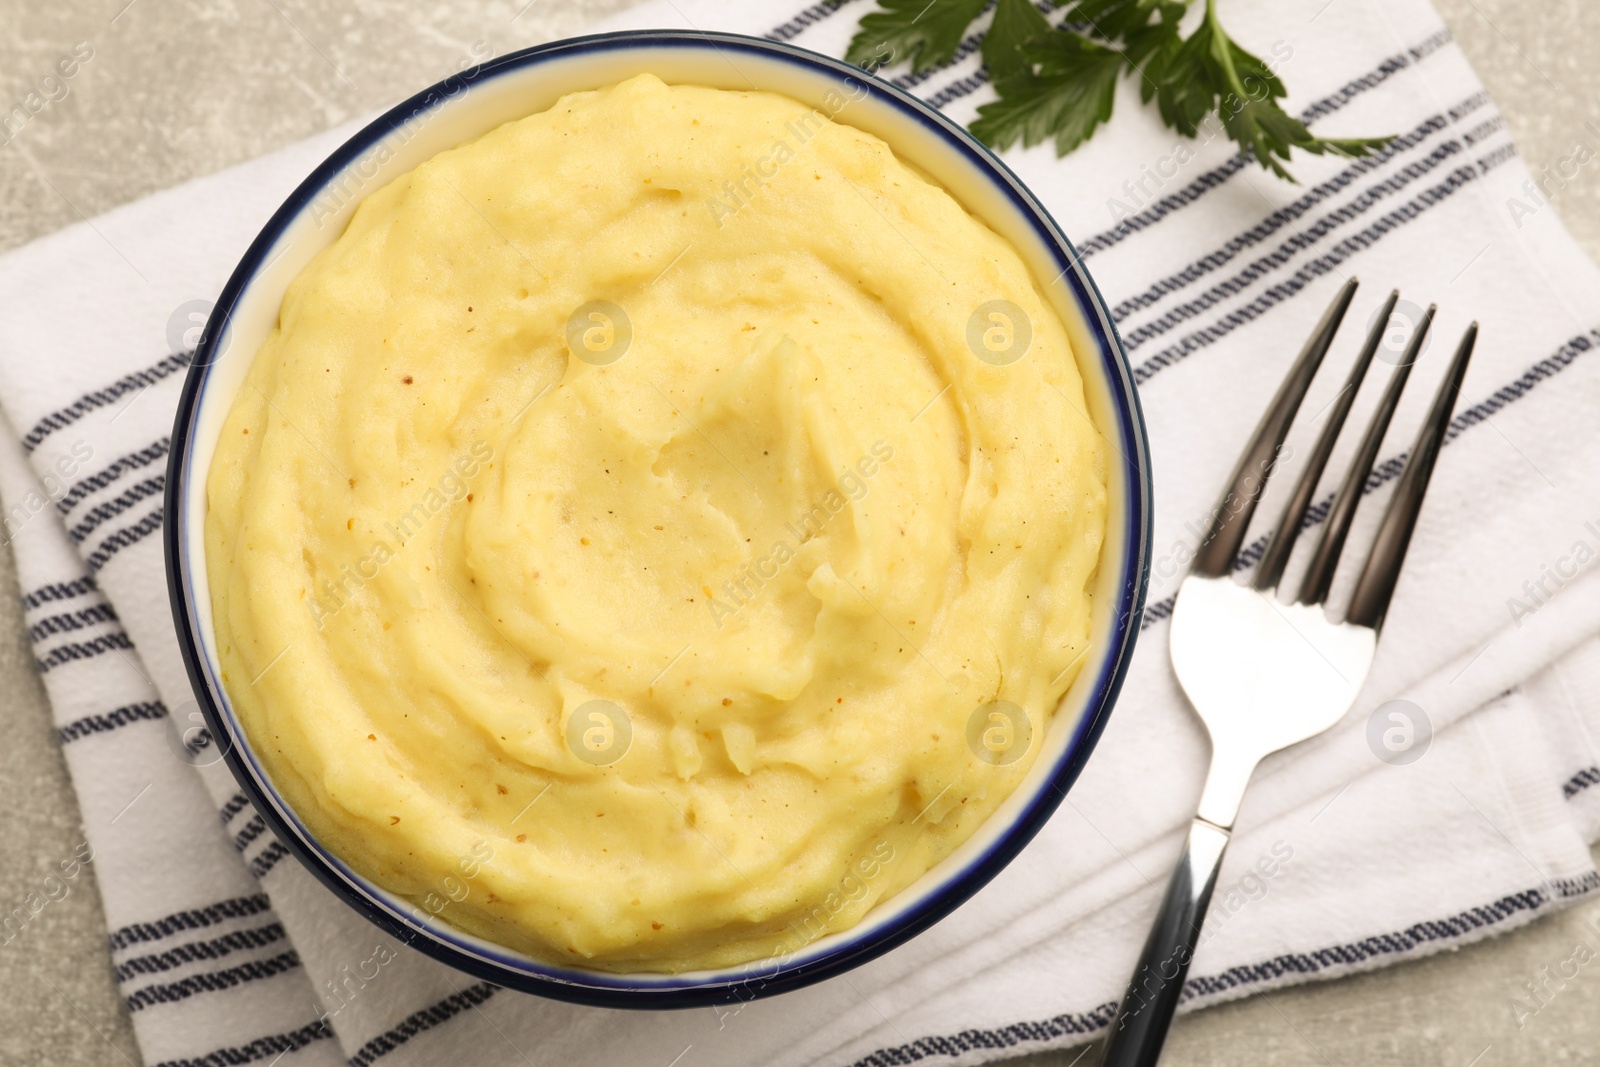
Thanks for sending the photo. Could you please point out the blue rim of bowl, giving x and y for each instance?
(649, 990)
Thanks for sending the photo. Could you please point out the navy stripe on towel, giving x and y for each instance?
(1300, 241)
(57, 591)
(75, 651)
(194, 951)
(1211, 179)
(93, 483)
(269, 858)
(252, 830)
(1403, 215)
(149, 710)
(66, 622)
(110, 509)
(423, 1020)
(1287, 214)
(1017, 1035)
(196, 919)
(136, 382)
(236, 803)
(211, 982)
(809, 17)
(123, 538)
(1394, 944)
(275, 1046)
(1584, 779)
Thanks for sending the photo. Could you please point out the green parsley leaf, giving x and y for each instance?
(1156, 35)
(1060, 82)
(1183, 79)
(1016, 23)
(1211, 73)
(1119, 20)
(925, 32)
(1067, 97)
(1065, 85)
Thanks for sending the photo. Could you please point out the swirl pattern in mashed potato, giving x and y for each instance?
(620, 544)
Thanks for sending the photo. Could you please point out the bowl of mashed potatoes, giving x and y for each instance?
(658, 519)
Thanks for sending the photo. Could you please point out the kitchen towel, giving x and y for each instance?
(1455, 801)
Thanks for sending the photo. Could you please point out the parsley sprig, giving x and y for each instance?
(1060, 82)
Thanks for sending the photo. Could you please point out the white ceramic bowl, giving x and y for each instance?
(462, 108)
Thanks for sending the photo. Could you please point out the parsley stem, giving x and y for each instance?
(1222, 45)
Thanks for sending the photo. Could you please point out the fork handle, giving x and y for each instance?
(1146, 1011)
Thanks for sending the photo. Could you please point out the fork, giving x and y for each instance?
(1262, 674)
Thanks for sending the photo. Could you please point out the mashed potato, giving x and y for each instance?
(657, 531)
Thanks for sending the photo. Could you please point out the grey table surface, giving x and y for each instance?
(180, 88)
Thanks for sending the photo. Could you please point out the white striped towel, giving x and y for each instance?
(228, 953)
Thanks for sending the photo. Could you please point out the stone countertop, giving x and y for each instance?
(180, 88)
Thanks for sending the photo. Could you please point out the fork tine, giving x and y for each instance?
(1281, 541)
(1231, 517)
(1319, 573)
(1375, 587)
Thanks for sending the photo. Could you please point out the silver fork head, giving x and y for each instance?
(1264, 675)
